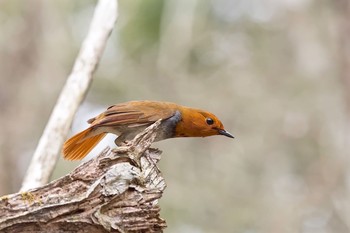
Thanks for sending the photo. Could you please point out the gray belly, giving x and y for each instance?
(167, 127)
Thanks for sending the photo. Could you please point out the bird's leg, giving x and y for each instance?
(120, 140)
(122, 143)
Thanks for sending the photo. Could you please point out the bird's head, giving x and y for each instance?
(199, 123)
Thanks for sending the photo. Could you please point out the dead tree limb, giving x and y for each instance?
(73, 93)
(109, 193)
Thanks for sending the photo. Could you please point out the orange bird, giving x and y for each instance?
(128, 119)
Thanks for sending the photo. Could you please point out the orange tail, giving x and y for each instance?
(78, 146)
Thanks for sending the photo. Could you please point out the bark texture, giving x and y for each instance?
(118, 191)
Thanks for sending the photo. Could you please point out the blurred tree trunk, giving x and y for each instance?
(73, 93)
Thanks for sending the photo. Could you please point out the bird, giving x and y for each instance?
(128, 119)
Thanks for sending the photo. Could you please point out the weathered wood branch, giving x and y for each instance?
(73, 93)
(109, 193)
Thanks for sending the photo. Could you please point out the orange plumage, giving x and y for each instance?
(128, 119)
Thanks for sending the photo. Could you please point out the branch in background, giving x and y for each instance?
(108, 193)
(74, 91)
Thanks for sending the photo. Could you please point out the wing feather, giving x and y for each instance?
(134, 113)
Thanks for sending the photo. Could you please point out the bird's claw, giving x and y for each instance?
(133, 159)
(136, 162)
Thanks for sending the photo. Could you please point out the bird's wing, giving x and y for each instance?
(133, 114)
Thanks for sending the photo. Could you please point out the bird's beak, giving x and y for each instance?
(225, 133)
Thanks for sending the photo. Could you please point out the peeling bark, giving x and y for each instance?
(109, 193)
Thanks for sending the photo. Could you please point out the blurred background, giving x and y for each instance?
(277, 73)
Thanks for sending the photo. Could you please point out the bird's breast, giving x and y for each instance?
(168, 126)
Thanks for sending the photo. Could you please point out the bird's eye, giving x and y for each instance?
(209, 121)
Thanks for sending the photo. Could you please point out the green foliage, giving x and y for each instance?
(141, 31)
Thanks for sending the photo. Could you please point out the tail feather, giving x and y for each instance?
(78, 146)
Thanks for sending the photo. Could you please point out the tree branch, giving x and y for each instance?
(74, 91)
(106, 194)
